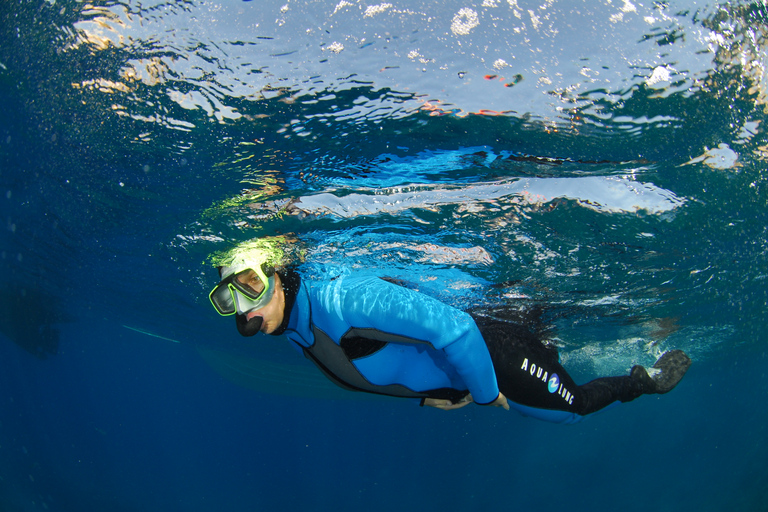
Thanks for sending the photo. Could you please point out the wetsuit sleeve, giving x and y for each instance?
(413, 317)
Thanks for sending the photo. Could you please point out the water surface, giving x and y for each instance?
(605, 160)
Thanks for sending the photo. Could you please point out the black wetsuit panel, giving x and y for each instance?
(529, 372)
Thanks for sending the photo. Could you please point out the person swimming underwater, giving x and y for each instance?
(371, 335)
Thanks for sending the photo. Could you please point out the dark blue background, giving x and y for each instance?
(120, 421)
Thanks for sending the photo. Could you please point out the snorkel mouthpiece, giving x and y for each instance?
(248, 327)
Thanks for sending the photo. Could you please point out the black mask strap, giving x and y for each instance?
(291, 282)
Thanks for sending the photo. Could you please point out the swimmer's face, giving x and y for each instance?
(273, 312)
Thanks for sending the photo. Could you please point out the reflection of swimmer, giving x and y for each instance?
(27, 317)
(603, 194)
(367, 334)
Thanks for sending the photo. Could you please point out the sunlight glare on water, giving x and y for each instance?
(605, 157)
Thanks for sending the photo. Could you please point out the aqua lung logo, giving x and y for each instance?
(553, 383)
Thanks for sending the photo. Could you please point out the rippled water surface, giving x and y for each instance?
(603, 160)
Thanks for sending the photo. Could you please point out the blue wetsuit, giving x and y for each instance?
(375, 336)
(367, 334)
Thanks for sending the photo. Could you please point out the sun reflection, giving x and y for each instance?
(102, 85)
(105, 27)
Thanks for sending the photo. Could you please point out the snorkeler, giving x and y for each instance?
(372, 335)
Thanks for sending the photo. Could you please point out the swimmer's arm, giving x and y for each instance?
(447, 405)
(389, 308)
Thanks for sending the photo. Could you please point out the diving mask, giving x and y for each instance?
(245, 290)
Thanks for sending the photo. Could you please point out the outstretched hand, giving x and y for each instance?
(447, 405)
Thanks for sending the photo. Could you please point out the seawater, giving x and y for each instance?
(601, 162)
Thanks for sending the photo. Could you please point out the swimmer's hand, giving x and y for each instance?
(501, 401)
(447, 405)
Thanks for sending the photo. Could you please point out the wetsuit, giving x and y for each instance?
(370, 335)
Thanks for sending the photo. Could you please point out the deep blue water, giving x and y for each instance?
(605, 161)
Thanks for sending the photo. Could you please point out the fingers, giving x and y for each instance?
(437, 403)
(446, 405)
(501, 401)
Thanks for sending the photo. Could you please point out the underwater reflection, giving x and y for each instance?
(522, 59)
(606, 194)
(269, 376)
